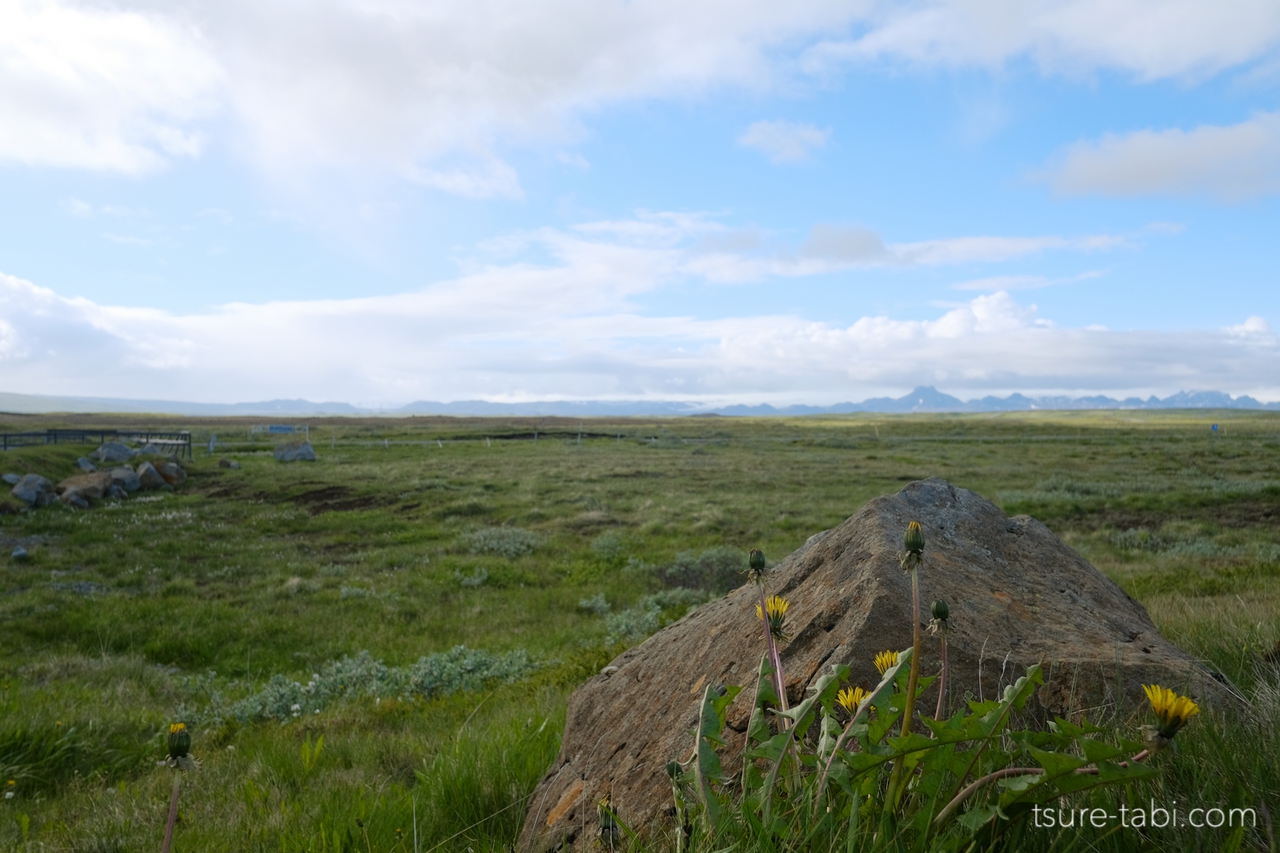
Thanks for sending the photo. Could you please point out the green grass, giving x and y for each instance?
(402, 547)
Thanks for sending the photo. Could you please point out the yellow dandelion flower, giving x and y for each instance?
(851, 697)
(886, 659)
(1172, 711)
(777, 607)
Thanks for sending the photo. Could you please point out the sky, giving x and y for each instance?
(720, 201)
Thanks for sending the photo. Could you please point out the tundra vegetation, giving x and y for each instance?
(373, 651)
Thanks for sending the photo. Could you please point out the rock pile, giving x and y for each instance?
(1018, 596)
(35, 491)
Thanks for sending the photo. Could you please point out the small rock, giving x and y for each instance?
(35, 490)
(84, 464)
(149, 477)
(116, 492)
(75, 500)
(114, 452)
(228, 463)
(126, 478)
(89, 486)
(20, 554)
(11, 479)
(172, 473)
(297, 451)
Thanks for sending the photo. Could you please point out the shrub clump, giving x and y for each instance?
(437, 674)
(652, 612)
(509, 542)
(717, 570)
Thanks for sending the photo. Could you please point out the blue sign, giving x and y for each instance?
(1214, 428)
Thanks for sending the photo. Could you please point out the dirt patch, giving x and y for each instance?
(366, 502)
(1233, 514)
(319, 496)
(224, 492)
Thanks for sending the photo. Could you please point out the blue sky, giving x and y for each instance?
(809, 202)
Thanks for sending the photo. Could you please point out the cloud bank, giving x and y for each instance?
(436, 93)
(571, 329)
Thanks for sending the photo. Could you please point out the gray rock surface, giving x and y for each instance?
(20, 554)
(126, 478)
(172, 473)
(84, 464)
(35, 490)
(1018, 596)
(85, 487)
(296, 451)
(149, 477)
(11, 479)
(114, 452)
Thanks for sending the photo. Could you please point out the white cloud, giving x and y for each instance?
(831, 248)
(1150, 39)
(437, 93)
(784, 141)
(77, 208)
(429, 93)
(1023, 282)
(572, 327)
(101, 88)
(127, 240)
(1234, 162)
(1251, 326)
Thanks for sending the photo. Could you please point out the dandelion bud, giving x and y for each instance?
(913, 539)
(179, 741)
(757, 560)
(940, 610)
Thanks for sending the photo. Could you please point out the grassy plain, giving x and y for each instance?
(134, 612)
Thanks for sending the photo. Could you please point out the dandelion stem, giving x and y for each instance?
(896, 782)
(173, 813)
(942, 681)
(959, 798)
(779, 680)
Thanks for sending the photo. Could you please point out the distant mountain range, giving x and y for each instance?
(923, 399)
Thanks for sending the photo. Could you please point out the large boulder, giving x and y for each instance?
(295, 451)
(77, 491)
(126, 478)
(1017, 594)
(149, 477)
(113, 452)
(35, 490)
